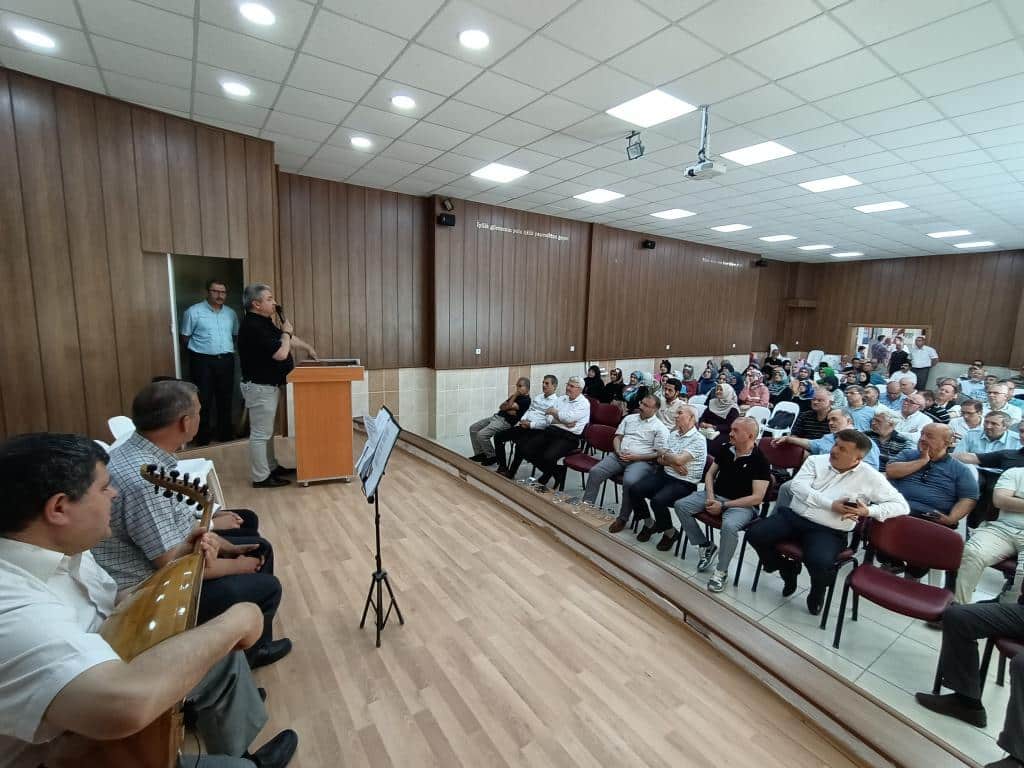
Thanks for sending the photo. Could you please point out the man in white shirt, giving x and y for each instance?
(681, 467)
(638, 440)
(672, 403)
(535, 418)
(829, 494)
(903, 373)
(973, 385)
(566, 419)
(922, 358)
(58, 676)
(999, 400)
(913, 418)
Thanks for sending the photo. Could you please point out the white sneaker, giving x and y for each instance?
(707, 554)
(717, 581)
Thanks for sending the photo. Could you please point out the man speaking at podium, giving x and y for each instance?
(266, 340)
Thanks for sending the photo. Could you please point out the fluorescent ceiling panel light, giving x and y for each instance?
(257, 14)
(35, 39)
(598, 196)
(499, 173)
(778, 238)
(890, 205)
(674, 213)
(975, 244)
(731, 227)
(360, 142)
(827, 185)
(758, 153)
(474, 39)
(847, 254)
(950, 233)
(818, 247)
(403, 102)
(233, 88)
(650, 109)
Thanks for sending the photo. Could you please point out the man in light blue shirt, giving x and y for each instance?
(208, 331)
(892, 398)
(859, 412)
(995, 435)
(838, 420)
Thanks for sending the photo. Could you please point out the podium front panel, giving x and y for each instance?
(323, 422)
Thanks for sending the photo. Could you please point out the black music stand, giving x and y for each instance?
(381, 435)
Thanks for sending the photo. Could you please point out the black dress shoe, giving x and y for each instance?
(488, 461)
(277, 752)
(280, 471)
(813, 604)
(268, 653)
(645, 533)
(949, 704)
(559, 475)
(271, 481)
(789, 582)
(477, 456)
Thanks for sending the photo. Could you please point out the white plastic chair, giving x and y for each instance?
(207, 474)
(814, 358)
(121, 427)
(761, 415)
(786, 406)
(698, 400)
(102, 445)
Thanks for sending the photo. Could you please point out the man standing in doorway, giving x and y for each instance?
(922, 358)
(208, 331)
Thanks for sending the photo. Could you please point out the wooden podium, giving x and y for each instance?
(322, 397)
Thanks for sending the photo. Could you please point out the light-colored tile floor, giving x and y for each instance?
(888, 655)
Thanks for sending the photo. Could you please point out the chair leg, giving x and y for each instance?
(686, 540)
(828, 604)
(842, 612)
(739, 562)
(986, 658)
(604, 487)
(1001, 671)
(856, 605)
(616, 485)
(757, 576)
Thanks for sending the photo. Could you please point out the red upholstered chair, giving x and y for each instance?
(921, 544)
(1008, 568)
(607, 414)
(1008, 648)
(598, 436)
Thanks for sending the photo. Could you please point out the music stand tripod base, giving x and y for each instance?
(375, 596)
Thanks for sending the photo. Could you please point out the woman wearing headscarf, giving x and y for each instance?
(720, 413)
(804, 394)
(755, 393)
(735, 380)
(772, 361)
(688, 381)
(593, 384)
(636, 391)
(778, 387)
(707, 382)
(613, 389)
(664, 371)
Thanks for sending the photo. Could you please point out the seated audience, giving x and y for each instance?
(962, 627)
(566, 419)
(932, 409)
(509, 413)
(830, 384)
(61, 678)
(734, 379)
(1018, 379)
(839, 419)
(913, 420)
(892, 398)
(773, 360)
(947, 398)
(871, 395)
(936, 486)
(1005, 453)
(805, 393)
(908, 385)
(149, 530)
(778, 388)
(813, 423)
(898, 356)
(535, 418)
(973, 385)
(664, 371)
(673, 401)
(720, 412)
(827, 496)
(681, 466)
(995, 435)
(614, 388)
(904, 372)
(734, 487)
(638, 439)
(707, 382)
(636, 391)
(593, 384)
(999, 400)
(689, 383)
(874, 377)
(969, 420)
(859, 411)
(755, 392)
(884, 435)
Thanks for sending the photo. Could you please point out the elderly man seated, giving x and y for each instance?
(999, 400)
(883, 434)
(566, 419)
(828, 495)
(991, 464)
(838, 420)
(860, 412)
(995, 435)
(813, 423)
(535, 418)
(973, 385)
(510, 411)
(914, 419)
(681, 469)
(892, 398)
(937, 486)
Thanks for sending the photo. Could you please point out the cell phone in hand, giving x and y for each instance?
(849, 503)
(932, 515)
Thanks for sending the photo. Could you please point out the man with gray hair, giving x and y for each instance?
(265, 343)
(883, 434)
(566, 420)
(509, 413)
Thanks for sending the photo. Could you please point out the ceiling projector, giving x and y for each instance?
(704, 168)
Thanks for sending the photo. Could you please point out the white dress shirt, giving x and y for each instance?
(899, 375)
(921, 357)
(818, 484)
(536, 414)
(641, 436)
(912, 425)
(961, 428)
(51, 606)
(1010, 410)
(575, 411)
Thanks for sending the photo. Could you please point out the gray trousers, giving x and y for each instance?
(733, 519)
(261, 402)
(609, 467)
(962, 626)
(481, 432)
(922, 376)
(785, 497)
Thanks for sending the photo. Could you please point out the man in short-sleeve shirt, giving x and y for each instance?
(922, 358)
(937, 486)
(995, 540)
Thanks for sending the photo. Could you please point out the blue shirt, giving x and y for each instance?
(210, 332)
(977, 442)
(939, 485)
(975, 390)
(877, 378)
(893, 405)
(824, 445)
(862, 417)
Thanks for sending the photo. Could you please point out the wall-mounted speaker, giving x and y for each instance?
(648, 244)
(761, 263)
(446, 219)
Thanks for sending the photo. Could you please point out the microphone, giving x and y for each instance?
(280, 312)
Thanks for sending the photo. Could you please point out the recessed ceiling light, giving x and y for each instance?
(778, 238)
(976, 244)
(598, 196)
(847, 254)
(827, 185)
(650, 109)
(360, 142)
(233, 88)
(759, 153)
(818, 247)
(35, 39)
(257, 14)
(731, 227)
(950, 233)
(403, 102)
(474, 39)
(499, 173)
(674, 213)
(890, 205)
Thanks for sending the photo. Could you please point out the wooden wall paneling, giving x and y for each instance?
(512, 280)
(259, 172)
(285, 292)
(595, 327)
(389, 278)
(87, 240)
(492, 309)
(213, 192)
(374, 298)
(441, 288)
(1016, 354)
(456, 274)
(157, 317)
(423, 285)
(301, 309)
(405, 278)
(35, 126)
(357, 272)
(338, 211)
(237, 199)
(183, 177)
(485, 267)
(150, 142)
(471, 242)
(121, 203)
(21, 370)
(320, 250)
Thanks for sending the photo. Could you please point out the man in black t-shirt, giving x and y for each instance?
(265, 353)
(509, 413)
(813, 424)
